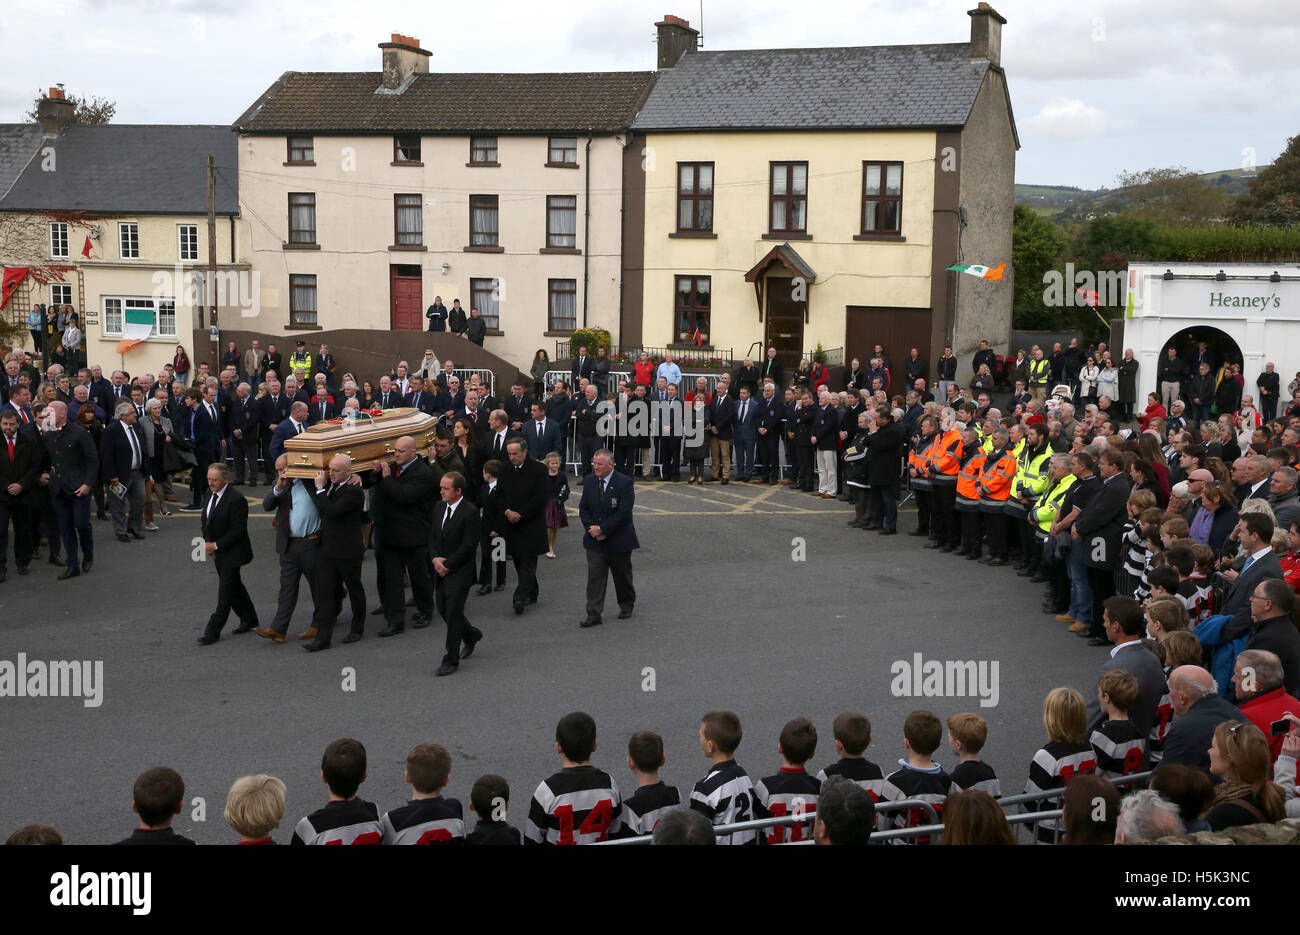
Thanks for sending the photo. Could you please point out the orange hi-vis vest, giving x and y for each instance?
(920, 460)
(996, 477)
(968, 494)
(945, 457)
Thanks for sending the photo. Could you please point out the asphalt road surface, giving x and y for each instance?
(756, 599)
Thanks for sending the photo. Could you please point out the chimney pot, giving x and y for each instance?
(56, 94)
(986, 33)
(402, 58)
(676, 37)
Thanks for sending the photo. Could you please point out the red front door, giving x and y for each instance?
(408, 307)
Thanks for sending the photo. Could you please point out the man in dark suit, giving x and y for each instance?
(772, 369)
(402, 511)
(884, 463)
(523, 501)
(1098, 531)
(542, 434)
(722, 421)
(582, 366)
(499, 433)
(340, 506)
(771, 416)
(20, 461)
(492, 524)
(323, 406)
(387, 396)
(274, 361)
(746, 435)
(1273, 630)
(1198, 710)
(588, 414)
(198, 428)
(518, 406)
(244, 418)
(1124, 623)
(608, 538)
(421, 399)
(123, 461)
(1254, 533)
(225, 535)
(289, 428)
(272, 409)
(455, 541)
(297, 542)
(473, 411)
(73, 469)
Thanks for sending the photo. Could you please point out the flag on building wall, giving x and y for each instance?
(983, 272)
(13, 276)
(138, 325)
(698, 338)
(85, 251)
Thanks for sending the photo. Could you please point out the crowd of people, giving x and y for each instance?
(1171, 540)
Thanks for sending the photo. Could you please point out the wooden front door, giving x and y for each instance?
(898, 330)
(784, 323)
(407, 300)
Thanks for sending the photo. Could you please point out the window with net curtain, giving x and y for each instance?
(485, 295)
(564, 305)
(302, 217)
(561, 221)
(483, 220)
(882, 197)
(302, 300)
(410, 220)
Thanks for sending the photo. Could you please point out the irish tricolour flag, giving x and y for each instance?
(137, 327)
(983, 272)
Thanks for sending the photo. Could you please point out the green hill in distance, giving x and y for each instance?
(1053, 199)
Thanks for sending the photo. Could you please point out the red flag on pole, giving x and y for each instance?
(699, 341)
(13, 276)
(85, 251)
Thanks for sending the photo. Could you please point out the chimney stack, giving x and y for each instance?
(403, 58)
(54, 112)
(675, 39)
(986, 34)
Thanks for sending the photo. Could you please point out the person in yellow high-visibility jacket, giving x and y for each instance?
(1044, 512)
(996, 475)
(1031, 477)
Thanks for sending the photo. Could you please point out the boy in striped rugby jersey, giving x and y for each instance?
(966, 736)
(852, 737)
(345, 819)
(1118, 746)
(726, 795)
(920, 777)
(428, 818)
(644, 807)
(580, 804)
(791, 791)
(1066, 754)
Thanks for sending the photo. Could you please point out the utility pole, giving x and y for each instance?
(210, 293)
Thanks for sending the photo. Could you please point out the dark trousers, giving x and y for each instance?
(128, 511)
(72, 519)
(485, 564)
(1102, 581)
(745, 448)
(300, 560)
(246, 450)
(1017, 532)
(804, 453)
(588, 445)
(20, 513)
(941, 513)
(199, 479)
(231, 595)
(924, 510)
(995, 529)
(414, 560)
(970, 531)
(600, 565)
(861, 503)
(625, 458)
(1058, 579)
(769, 455)
(1268, 407)
(670, 457)
(884, 506)
(450, 600)
(332, 576)
(264, 452)
(526, 570)
(791, 457)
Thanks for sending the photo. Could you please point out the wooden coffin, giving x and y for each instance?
(364, 440)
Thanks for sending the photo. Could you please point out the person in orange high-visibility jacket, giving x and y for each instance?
(943, 465)
(995, 487)
(968, 493)
(918, 461)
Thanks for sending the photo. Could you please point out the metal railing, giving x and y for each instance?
(682, 355)
(831, 356)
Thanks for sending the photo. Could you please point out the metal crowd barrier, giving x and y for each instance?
(486, 376)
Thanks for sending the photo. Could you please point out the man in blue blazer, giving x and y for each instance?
(296, 424)
(202, 430)
(609, 536)
(542, 434)
(745, 435)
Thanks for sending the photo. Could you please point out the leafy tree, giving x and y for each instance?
(90, 111)
(1036, 245)
(1171, 196)
(1274, 197)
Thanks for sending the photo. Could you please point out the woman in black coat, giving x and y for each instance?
(884, 468)
(1128, 375)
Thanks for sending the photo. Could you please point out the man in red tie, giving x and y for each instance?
(19, 464)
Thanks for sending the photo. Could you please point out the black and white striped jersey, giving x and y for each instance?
(859, 770)
(644, 807)
(1119, 747)
(1160, 727)
(1053, 766)
(976, 774)
(726, 796)
(577, 805)
(424, 821)
(791, 791)
(928, 785)
(352, 822)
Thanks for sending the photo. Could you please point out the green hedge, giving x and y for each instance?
(591, 338)
(1219, 243)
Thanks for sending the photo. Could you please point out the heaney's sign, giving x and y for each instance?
(1227, 300)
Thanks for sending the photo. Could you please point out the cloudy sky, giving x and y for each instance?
(1097, 87)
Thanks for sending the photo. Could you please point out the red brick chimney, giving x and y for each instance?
(54, 112)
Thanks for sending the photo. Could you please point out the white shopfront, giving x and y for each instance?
(1246, 312)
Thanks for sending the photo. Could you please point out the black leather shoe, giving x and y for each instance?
(206, 640)
(391, 631)
(947, 549)
(86, 562)
(869, 525)
(933, 545)
(1098, 641)
(244, 627)
(997, 562)
(420, 622)
(378, 611)
(499, 587)
(590, 622)
(919, 532)
(69, 573)
(57, 560)
(972, 556)
(3, 574)
(519, 608)
(445, 669)
(315, 646)
(469, 648)
(123, 538)
(725, 482)
(352, 638)
(483, 589)
(137, 535)
(625, 613)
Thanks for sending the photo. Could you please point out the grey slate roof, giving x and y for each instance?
(18, 143)
(131, 169)
(866, 87)
(346, 102)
